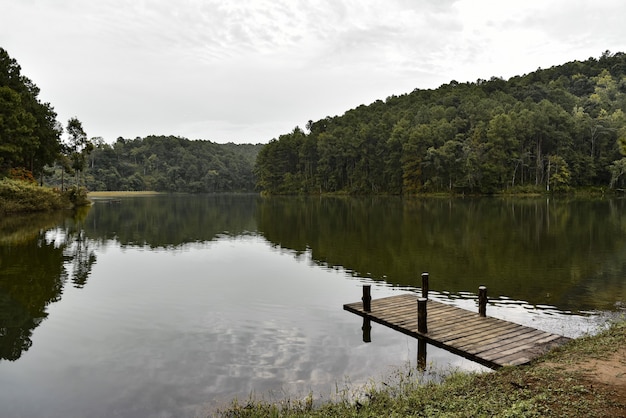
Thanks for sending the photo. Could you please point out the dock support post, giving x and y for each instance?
(425, 285)
(421, 315)
(367, 298)
(482, 301)
(421, 354)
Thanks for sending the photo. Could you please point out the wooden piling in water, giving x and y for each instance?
(367, 297)
(422, 315)
(425, 285)
(482, 301)
(421, 354)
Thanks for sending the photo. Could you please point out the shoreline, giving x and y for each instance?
(585, 377)
(122, 193)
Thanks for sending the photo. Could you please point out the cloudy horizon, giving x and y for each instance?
(249, 71)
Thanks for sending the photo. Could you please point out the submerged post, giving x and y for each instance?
(422, 315)
(367, 298)
(425, 285)
(482, 301)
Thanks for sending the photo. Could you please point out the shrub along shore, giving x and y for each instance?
(18, 196)
(586, 377)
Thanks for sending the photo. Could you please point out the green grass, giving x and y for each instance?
(549, 387)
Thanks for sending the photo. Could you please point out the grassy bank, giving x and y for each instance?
(18, 196)
(586, 377)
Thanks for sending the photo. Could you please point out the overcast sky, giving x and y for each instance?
(251, 70)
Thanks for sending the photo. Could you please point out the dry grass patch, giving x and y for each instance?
(121, 194)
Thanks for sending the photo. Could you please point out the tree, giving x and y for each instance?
(558, 174)
(79, 146)
(17, 127)
(501, 151)
(30, 133)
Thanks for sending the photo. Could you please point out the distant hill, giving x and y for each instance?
(553, 129)
(170, 164)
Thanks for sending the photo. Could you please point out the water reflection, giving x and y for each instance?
(172, 301)
(166, 221)
(568, 254)
(36, 258)
(561, 256)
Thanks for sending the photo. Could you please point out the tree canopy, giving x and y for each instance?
(29, 131)
(551, 129)
(170, 164)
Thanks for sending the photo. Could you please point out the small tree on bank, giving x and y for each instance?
(79, 147)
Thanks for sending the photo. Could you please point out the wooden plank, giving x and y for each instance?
(499, 340)
(495, 331)
(489, 341)
(477, 346)
(481, 338)
(473, 323)
(506, 344)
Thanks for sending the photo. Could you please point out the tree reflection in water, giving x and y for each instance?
(38, 254)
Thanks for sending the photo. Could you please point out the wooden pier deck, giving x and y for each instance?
(489, 341)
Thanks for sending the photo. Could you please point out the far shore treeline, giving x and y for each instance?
(171, 164)
(552, 130)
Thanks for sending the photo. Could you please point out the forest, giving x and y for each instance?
(29, 132)
(168, 164)
(551, 130)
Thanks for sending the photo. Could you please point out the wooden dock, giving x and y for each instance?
(489, 341)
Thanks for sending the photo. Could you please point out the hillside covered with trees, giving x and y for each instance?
(168, 164)
(552, 129)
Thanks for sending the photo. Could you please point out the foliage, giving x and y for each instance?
(22, 196)
(20, 173)
(552, 129)
(77, 196)
(29, 132)
(79, 147)
(19, 196)
(166, 164)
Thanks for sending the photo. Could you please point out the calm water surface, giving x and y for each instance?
(172, 305)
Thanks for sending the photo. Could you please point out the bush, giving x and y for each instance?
(77, 196)
(24, 196)
(23, 174)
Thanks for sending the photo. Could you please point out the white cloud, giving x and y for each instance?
(252, 70)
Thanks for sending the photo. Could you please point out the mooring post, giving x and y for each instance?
(367, 298)
(421, 354)
(425, 285)
(422, 315)
(482, 301)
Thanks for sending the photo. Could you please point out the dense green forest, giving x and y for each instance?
(552, 129)
(167, 164)
(29, 132)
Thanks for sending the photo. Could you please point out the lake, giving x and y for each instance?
(168, 306)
